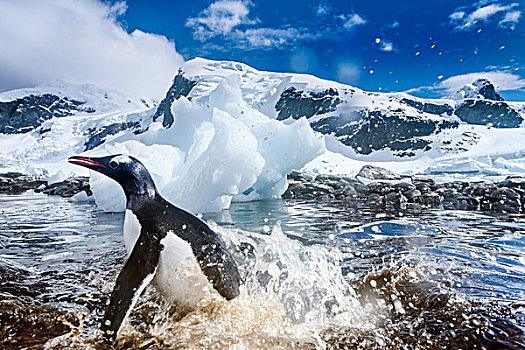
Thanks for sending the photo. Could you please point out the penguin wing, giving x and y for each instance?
(137, 273)
(217, 264)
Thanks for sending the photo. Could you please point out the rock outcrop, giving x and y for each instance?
(25, 114)
(181, 87)
(390, 190)
(296, 104)
(18, 183)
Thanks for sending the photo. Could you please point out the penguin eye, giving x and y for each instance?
(113, 164)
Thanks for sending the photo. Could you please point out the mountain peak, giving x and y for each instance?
(480, 89)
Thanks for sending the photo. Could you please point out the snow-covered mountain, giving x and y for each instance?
(40, 126)
(473, 129)
(230, 130)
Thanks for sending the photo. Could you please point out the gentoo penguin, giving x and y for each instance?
(176, 251)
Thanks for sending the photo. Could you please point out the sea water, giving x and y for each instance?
(316, 275)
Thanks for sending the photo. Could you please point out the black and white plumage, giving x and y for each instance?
(182, 257)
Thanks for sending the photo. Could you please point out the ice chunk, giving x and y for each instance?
(216, 151)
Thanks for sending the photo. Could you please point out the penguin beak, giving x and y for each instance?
(88, 162)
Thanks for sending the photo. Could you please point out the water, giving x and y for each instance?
(317, 275)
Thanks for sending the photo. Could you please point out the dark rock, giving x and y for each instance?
(423, 179)
(295, 175)
(350, 192)
(484, 112)
(20, 184)
(482, 189)
(403, 186)
(377, 173)
(296, 104)
(473, 203)
(505, 199)
(431, 199)
(181, 87)
(412, 195)
(324, 178)
(486, 90)
(375, 199)
(308, 191)
(12, 175)
(455, 195)
(423, 187)
(395, 130)
(485, 204)
(98, 136)
(513, 182)
(462, 203)
(28, 113)
(429, 107)
(379, 188)
(456, 185)
(68, 187)
(448, 194)
(395, 200)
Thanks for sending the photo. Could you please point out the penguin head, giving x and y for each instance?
(128, 171)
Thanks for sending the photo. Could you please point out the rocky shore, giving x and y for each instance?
(372, 187)
(18, 183)
(381, 188)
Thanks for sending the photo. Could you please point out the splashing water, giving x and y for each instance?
(290, 293)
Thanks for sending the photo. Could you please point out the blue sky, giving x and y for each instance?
(428, 48)
(425, 47)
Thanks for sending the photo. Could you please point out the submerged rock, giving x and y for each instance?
(26, 324)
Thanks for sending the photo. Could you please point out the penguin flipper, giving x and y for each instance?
(137, 273)
(218, 265)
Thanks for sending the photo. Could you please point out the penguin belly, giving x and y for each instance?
(178, 278)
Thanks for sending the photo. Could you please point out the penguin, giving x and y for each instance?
(174, 250)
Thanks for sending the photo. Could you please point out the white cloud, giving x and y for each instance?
(220, 18)
(230, 21)
(503, 81)
(225, 18)
(457, 15)
(322, 10)
(386, 46)
(268, 37)
(510, 19)
(353, 20)
(80, 41)
(481, 12)
(394, 24)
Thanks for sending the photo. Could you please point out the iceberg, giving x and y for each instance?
(217, 151)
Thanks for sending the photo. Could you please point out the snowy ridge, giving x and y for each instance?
(102, 100)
